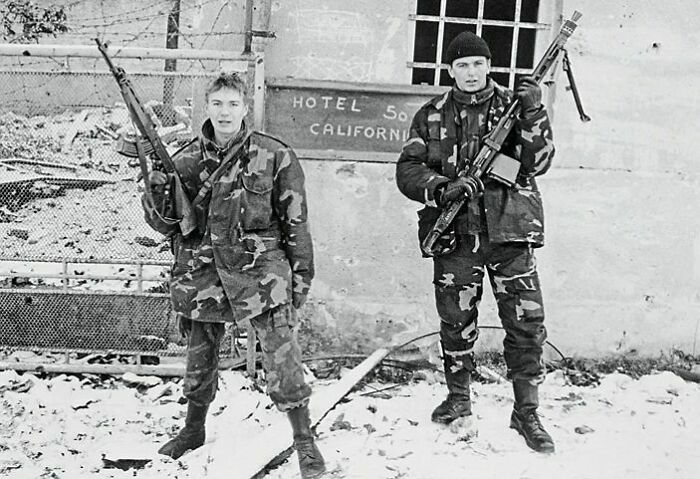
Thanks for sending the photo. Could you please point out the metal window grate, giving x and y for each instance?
(509, 26)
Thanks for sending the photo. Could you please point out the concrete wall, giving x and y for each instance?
(622, 262)
(621, 266)
(362, 41)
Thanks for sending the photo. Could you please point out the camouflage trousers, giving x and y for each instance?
(458, 279)
(277, 331)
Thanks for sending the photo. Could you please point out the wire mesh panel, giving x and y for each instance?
(57, 320)
(64, 189)
(80, 270)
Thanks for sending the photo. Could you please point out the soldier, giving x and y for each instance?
(496, 232)
(250, 258)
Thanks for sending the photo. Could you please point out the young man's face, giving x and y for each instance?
(470, 73)
(226, 109)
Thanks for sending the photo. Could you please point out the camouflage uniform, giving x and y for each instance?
(254, 252)
(496, 232)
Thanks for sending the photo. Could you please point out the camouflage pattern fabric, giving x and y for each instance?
(202, 371)
(495, 232)
(256, 248)
(277, 331)
(458, 280)
(435, 152)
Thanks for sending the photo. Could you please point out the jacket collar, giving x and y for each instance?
(209, 142)
(440, 101)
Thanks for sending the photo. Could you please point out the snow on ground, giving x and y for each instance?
(623, 428)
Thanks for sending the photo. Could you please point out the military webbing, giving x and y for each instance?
(209, 182)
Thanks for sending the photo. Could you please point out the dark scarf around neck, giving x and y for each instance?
(209, 138)
(465, 99)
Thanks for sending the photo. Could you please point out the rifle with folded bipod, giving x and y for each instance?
(184, 213)
(489, 162)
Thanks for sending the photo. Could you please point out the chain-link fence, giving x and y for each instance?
(79, 268)
(65, 191)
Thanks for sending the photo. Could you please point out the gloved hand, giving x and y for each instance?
(530, 95)
(298, 299)
(468, 186)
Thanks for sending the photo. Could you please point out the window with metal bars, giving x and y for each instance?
(510, 27)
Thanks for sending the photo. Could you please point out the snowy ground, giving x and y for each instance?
(623, 428)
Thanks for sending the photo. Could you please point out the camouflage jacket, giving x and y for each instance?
(430, 158)
(256, 247)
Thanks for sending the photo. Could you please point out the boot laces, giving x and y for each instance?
(305, 448)
(453, 403)
(532, 422)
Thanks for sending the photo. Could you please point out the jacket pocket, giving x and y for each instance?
(426, 219)
(256, 202)
(186, 253)
(445, 244)
(514, 214)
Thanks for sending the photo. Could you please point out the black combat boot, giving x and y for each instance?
(453, 407)
(525, 419)
(311, 462)
(457, 403)
(191, 436)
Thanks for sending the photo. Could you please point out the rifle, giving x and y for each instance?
(185, 215)
(489, 162)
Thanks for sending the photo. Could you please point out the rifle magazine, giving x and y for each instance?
(504, 169)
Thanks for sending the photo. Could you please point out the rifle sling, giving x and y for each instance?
(203, 191)
(209, 182)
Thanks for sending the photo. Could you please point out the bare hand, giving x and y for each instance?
(156, 177)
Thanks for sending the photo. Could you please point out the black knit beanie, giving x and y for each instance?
(466, 44)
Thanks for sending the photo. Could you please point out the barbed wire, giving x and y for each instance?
(157, 35)
(145, 31)
(125, 18)
(121, 15)
(213, 24)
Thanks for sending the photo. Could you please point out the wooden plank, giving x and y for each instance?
(250, 458)
(88, 276)
(162, 370)
(19, 169)
(78, 260)
(72, 368)
(51, 164)
(348, 155)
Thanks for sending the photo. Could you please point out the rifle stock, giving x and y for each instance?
(494, 140)
(184, 212)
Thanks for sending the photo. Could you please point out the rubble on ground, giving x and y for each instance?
(82, 426)
(63, 171)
